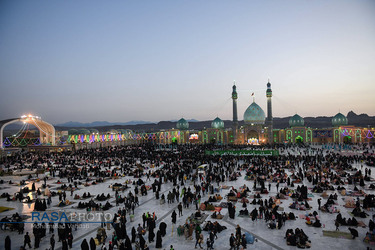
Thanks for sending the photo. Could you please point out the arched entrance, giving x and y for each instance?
(252, 137)
(347, 139)
(299, 139)
(46, 130)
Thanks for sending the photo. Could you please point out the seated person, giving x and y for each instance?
(212, 199)
(198, 214)
(272, 224)
(244, 212)
(291, 240)
(291, 216)
(317, 223)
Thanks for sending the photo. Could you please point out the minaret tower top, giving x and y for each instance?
(269, 91)
(234, 92)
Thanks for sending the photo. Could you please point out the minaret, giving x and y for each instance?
(269, 120)
(235, 117)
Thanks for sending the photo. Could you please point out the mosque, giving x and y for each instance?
(258, 129)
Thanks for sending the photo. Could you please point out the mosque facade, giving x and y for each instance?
(258, 129)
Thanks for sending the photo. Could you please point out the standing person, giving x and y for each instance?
(51, 225)
(212, 239)
(85, 245)
(92, 244)
(199, 241)
(319, 203)
(26, 240)
(158, 240)
(64, 245)
(209, 244)
(337, 224)
(70, 240)
(174, 217)
(244, 241)
(52, 242)
(179, 209)
(232, 242)
(238, 232)
(134, 234)
(8, 243)
(144, 219)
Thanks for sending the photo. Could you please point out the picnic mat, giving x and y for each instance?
(71, 203)
(223, 204)
(337, 234)
(218, 209)
(361, 224)
(4, 209)
(201, 219)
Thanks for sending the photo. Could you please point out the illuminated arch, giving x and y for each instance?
(46, 130)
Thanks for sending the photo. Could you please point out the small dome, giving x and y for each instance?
(217, 123)
(83, 131)
(339, 120)
(296, 121)
(72, 131)
(182, 124)
(254, 114)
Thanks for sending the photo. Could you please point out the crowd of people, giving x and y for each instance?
(148, 168)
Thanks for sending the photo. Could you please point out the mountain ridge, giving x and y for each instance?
(361, 120)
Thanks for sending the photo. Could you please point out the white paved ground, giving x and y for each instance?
(267, 239)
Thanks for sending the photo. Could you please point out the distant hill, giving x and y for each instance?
(97, 124)
(362, 120)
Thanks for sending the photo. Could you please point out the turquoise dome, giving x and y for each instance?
(182, 124)
(254, 114)
(83, 131)
(296, 121)
(72, 131)
(217, 123)
(339, 120)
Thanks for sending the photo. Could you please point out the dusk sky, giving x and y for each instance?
(119, 61)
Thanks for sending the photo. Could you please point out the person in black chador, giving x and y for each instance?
(174, 217)
(134, 234)
(85, 245)
(151, 235)
(7, 245)
(142, 241)
(162, 228)
(92, 244)
(158, 240)
(128, 244)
